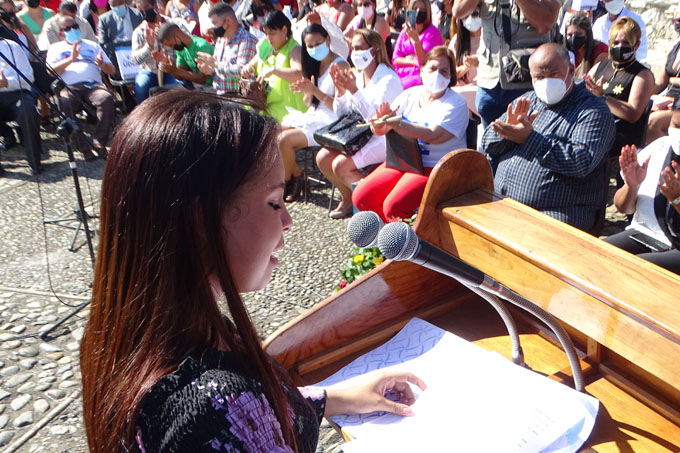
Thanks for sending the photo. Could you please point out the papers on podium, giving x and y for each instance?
(475, 401)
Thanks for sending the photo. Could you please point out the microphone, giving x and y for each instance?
(363, 229)
(397, 241)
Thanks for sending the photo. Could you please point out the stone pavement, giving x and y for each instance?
(41, 281)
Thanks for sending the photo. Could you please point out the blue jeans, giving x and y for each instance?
(491, 104)
(146, 80)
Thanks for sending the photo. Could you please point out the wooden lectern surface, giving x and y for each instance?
(620, 311)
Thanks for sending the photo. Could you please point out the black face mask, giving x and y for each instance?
(179, 47)
(575, 42)
(33, 3)
(621, 53)
(219, 31)
(421, 17)
(149, 15)
(9, 16)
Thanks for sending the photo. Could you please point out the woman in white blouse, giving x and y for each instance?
(375, 83)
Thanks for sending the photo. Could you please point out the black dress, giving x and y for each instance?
(617, 80)
(212, 404)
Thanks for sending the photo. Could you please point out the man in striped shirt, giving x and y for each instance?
(550, 146)
(234, 48)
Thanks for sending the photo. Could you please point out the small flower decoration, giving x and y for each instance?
(618, 89)
(358, 258)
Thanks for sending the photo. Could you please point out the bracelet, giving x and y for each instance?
(676, 201)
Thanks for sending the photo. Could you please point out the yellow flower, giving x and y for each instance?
(378, 260)
(618, 89)
(358, 258)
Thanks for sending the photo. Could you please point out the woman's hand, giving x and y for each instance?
(266, 72)
(303, 85)
(470, 61)
(343, 80)
(411, 32)
(592, 86)
(670, 186)
(382, 112)
(633, 173)
(369, 396)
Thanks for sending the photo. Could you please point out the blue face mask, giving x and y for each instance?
(120, 10)
(73, 35)
(319, 52)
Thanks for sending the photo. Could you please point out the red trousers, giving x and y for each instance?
(390, 193)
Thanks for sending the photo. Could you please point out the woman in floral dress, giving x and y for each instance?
(192, 211)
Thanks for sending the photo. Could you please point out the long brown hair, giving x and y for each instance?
(175, 164)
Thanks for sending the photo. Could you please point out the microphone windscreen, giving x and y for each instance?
(397, 241)
(363, 228)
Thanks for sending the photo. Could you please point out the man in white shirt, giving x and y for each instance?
(16, 101)
(79, 62)
(615, 10)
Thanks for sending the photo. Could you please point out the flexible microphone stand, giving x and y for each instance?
(65, 129)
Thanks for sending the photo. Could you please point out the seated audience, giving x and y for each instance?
(587, 51)
(434, 115)
(445, 22)
(186, 10)
(18, 104)
(277, 65)
(374, 83)
(50, 31)
(654, 201)
(186, 46)
(115, 29)
(164, 369)
(145, 46)
(22, 33)
(80, 63)
(34, 16)
(338, 12)
(234, 48)
(318, 92)
(660, 118)
(414, 42)
(367, 17)
(92, 10)
(464, 45)
(616, 10)
(551, 145)
(625, 83)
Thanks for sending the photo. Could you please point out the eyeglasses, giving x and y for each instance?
(70, 27)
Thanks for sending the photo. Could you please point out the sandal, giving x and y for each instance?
(295, 187)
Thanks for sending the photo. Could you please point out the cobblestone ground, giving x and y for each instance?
(41, 282)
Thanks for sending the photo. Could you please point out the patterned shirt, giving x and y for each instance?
(213, 403)
(560, 169)
(231, 55)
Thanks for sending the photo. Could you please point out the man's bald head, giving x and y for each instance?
(65, 21)
(550, 55)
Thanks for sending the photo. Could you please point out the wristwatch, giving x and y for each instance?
(676, 201)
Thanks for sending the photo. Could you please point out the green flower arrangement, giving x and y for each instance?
(361, 261)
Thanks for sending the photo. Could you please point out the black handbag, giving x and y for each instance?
(403, 153)
(344, 135)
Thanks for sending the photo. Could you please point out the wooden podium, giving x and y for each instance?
(622, 313)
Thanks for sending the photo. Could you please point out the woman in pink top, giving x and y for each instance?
(414, 42)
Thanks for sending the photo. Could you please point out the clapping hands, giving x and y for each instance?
(344, 80)
(669, 185)
(633, 172)
(519, 123)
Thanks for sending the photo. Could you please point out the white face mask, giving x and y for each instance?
(614, 7)
(434, 82)
(366, 12)
(472, 24)
(674, 135)
(551, 90)
(362, 58)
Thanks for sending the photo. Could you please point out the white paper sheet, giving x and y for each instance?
(475, 400)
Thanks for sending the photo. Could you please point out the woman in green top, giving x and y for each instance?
(276, 65)
(34, 15)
